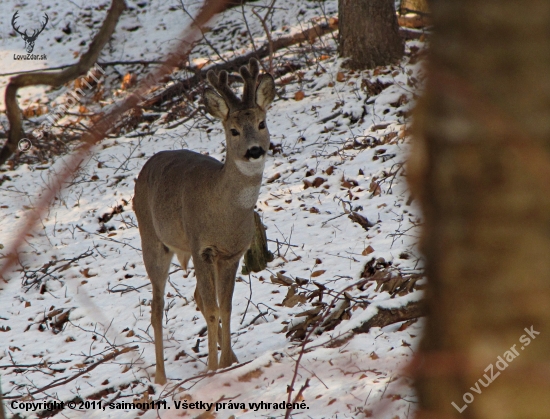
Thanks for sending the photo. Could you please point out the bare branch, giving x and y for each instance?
(60, 382)
(54, 79)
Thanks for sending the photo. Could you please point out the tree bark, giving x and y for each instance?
(369, 33)
(481, 169)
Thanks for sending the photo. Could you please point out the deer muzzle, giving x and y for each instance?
(254, 153)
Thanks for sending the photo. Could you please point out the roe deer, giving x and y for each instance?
(195, 206)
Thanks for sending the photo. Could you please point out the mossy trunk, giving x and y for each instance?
(257, 256)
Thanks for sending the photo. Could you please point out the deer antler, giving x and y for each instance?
(13, 19)
(250, 77)
(219, 82)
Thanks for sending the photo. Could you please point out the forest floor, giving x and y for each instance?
(341, 223)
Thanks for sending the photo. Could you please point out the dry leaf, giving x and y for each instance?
(274, 178)
(340, 77)
(318, 181)
(374, 188)
(299, 95)
(315, 274)
(86, 273)
(246, 378)
(128, 81)
(282, 279)
(368, 250)
(292, 298)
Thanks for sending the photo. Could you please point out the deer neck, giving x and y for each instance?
(241, 181)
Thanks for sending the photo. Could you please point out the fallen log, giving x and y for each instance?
(387, 316)
(309, 35)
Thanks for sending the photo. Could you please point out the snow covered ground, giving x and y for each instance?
(81, 292)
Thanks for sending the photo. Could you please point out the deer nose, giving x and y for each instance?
(254, 152)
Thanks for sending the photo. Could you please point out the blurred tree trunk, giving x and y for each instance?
(481, 169)
(368, 33)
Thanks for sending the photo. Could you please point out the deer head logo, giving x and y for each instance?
(29, 40)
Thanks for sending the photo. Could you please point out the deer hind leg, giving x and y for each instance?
(205, 296)
(225, 286)
(157, 259)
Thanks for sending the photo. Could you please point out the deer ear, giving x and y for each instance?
(215, 105)
(265, 93)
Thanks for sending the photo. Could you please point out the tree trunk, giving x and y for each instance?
(369, 33)
(481, 168)
(257, 256)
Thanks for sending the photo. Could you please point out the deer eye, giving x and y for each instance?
(234, 132)
(262, 125)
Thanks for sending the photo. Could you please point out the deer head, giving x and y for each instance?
(243, 119)
(29, 40)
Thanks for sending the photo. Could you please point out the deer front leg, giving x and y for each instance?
(225, 286)
(206, 272)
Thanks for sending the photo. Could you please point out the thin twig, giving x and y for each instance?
(263, 21)
(61, 381)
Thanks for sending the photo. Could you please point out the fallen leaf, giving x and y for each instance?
(299, 95)
(274, 178)
(318, 181)
(86, 273)
(320, 272)
(340, 77)
(282, 279)
(245, 378)
(368, 250)
(359, 219)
